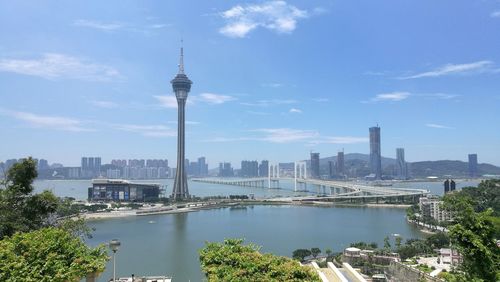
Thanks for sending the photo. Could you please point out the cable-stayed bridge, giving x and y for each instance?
(324, 190)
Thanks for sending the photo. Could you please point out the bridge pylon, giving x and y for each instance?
(300, 167)
(273, 175)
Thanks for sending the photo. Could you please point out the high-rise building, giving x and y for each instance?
(43, 164)
(314, 165)
(331, 169)
(340, 167)
(202, 166)
(249, 169)
(446, 186)
(85, 163)
(473, 165)
(225, 170)
(264, 168)
(375, 152)
(401, 167)
(181, 86)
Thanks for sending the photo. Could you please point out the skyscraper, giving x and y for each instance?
(473, 165)
(314, 165)
(264, 168)
(181, 86)
(375, 152)
(401, 168)
(340, 164)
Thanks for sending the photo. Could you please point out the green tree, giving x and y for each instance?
(398, 241)
(315, 252)
(300, 254)
(20, 209)
(438, 240)
(233, 261)
(473, 235)
(48, 254)
(328, 252)
(387, 243)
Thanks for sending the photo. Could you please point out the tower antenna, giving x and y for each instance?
(181, 61)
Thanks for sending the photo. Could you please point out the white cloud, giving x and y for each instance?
(474, 67)
(272, 135)
(214, 99)
(118, 26)
(147, 130)
(495, 14)
(434, 125)
(441, 96)
(390, 97)
(340, 140)
(111, 26)
(50, 122)
(320, 100)
(104, 104)
(168, 101)
(277, 16)
(267, 103)
(272, 85)
(285, 135)
(59, 66)
(295, 111)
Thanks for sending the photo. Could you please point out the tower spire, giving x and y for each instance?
(181, 61)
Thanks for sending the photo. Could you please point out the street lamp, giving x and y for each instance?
(114, 245)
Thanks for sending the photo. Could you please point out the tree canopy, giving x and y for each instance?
(473, 234)
(233, 261)
(20, 209)
(48, 254)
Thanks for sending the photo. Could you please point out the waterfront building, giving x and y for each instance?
(264, 168)
(446, 186)
(314, 165)
(225, 170)
(43, 164)
(431, 207)
(113, 173)
(249, 169)
(401, 167)
(473, 165)
(73, 172)
(181, 86)
(122, 190)
(375, 153)
(202, 166)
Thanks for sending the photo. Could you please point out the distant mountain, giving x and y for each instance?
(453, 168)
(357, 165)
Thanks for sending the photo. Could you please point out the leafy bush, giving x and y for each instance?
(49, 254)
(233, 261)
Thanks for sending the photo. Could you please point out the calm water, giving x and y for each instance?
(78, 188)
(168, 244)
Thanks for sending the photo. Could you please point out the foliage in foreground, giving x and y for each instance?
(473, 234)
(20, 209)
(49, 254)
(233, 261)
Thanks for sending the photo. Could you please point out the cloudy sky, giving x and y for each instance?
(272, 79)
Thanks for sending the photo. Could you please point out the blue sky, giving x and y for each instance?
(272, 79)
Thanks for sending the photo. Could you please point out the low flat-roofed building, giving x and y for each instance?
(122, 191)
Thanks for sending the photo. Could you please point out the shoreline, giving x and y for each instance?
(195, 208)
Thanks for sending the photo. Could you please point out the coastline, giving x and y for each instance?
(196, 207)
